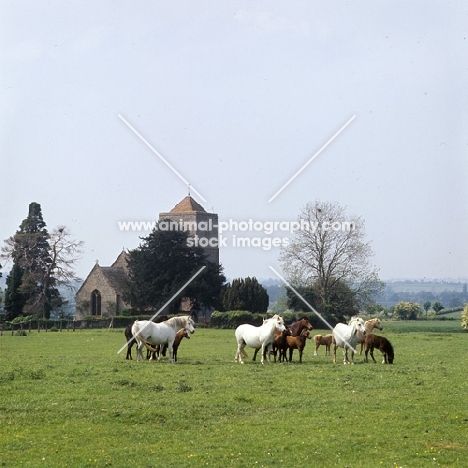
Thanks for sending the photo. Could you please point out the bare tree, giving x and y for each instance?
(330, 251)
(65, 252)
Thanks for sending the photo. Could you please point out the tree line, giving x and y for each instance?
(331, 269)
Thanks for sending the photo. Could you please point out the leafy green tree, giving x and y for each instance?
(376, 310)
(426, 307)
(245, 294)
(341, 303)
(407, 311)
(162, 264)
(464, 318)
(437, 307)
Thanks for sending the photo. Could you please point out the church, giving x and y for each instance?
(101, 294)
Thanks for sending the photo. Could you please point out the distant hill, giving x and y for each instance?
(428, 286)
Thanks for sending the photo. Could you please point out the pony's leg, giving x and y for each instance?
(274, 350)
(384, 358)
(238, 357)
(255, 354)
(283, 354)
(317, 346)
(372, 353)
(140, 352)
(171, 357)
(334, 353)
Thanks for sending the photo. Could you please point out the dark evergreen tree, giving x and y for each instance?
(14, 299)
(162, 264)
(245, 294)
(33, 284)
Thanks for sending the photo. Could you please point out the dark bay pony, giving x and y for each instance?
(383, 345)
(295, 329)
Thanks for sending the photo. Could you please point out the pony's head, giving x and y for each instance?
(375, 322)
(305, 322)
(279, 322)
(358, 324)
(190, 325)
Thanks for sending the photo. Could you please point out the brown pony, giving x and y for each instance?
(369, 325)
(383, 345)
(298, 342)
(280, 344)
(326, 340)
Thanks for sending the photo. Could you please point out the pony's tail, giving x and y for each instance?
(244, 353)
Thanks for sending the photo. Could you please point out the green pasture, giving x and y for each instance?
(69, 400)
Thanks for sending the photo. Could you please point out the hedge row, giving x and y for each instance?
(233, 318)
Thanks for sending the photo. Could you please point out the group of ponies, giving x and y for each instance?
(348, 336)
(293, 337)
(157, 337)
(272, 336)
(273, 331)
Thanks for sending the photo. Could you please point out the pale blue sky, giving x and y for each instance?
(237, 96)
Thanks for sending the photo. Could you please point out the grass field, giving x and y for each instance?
(69, 400)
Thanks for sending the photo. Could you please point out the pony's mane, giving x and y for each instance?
(373, 320)
(178, 320)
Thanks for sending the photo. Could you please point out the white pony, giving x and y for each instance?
(258, 337)
(152, 334)
(345, 336)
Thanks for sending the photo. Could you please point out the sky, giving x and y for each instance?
(234, 98)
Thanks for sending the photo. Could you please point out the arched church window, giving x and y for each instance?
(95, 302)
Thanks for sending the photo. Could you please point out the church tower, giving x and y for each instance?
(190, 216)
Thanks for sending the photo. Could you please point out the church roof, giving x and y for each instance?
(121, 261)
(188, 204)
(117, 277)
